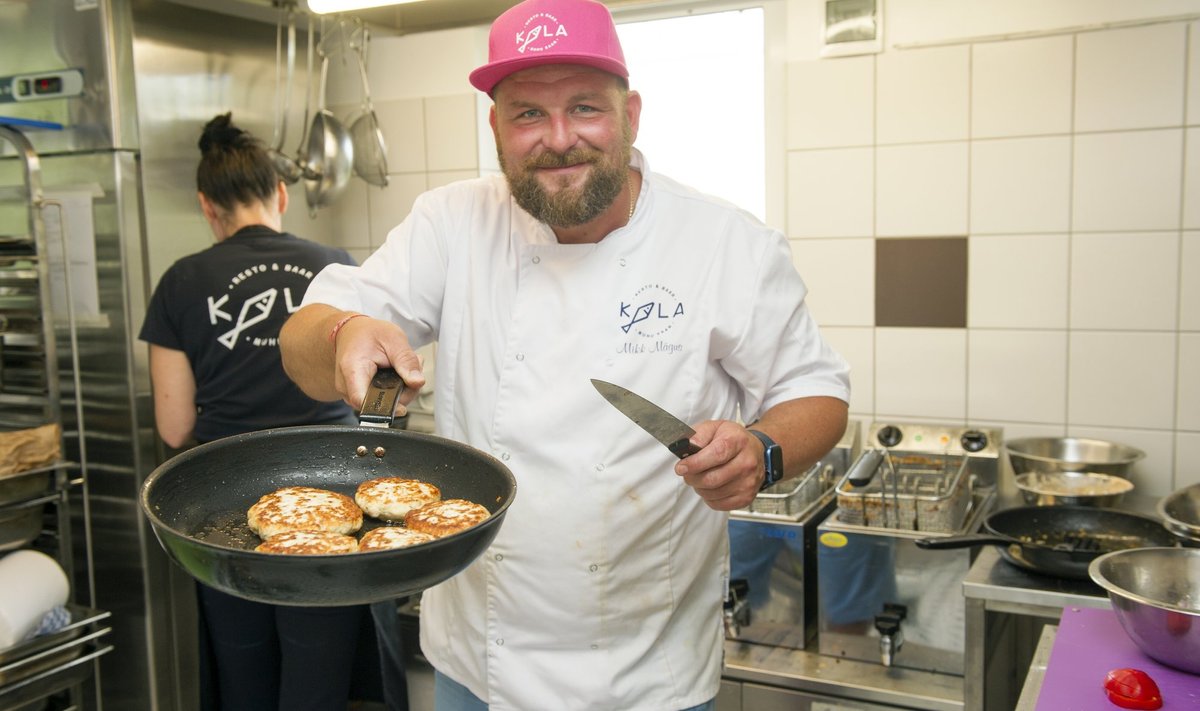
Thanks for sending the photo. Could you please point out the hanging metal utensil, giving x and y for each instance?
(301, 159)
(330, 152)
(284, 164)
(370, 151)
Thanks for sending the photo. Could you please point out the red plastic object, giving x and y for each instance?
(1132, 689)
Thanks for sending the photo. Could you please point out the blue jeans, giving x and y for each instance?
(449, 695)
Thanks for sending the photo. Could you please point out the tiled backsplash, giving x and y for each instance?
(1066, 161)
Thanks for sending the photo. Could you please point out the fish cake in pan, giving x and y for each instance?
(390, 498)
(304, 508)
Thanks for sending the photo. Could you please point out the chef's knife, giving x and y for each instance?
(661, 425)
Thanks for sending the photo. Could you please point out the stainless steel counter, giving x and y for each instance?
(1037, 670)
(837, 678)
(1006, 610)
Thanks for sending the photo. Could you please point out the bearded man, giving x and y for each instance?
(603, 589)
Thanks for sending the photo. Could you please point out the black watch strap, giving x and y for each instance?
(772, 459)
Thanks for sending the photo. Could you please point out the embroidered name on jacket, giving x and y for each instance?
(257, 307)
(648, 317)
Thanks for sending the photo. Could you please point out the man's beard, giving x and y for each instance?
(569, 207)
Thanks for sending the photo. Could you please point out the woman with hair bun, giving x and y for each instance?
(213, 327)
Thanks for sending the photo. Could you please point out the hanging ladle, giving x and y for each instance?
(330, 149)
(284, 164)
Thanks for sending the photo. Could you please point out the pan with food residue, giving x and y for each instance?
(1060, 540)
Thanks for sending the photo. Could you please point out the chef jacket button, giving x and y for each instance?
(500, 643)
(504, 456)
(537, 260)
(520, 356)
(599, 467)
(499, 557)
(622, 261)
(595, 646)
(593, 567)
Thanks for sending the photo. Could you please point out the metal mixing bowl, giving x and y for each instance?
(1073, 489)
(1155, 593)
(1180, 512)
(1071, 454)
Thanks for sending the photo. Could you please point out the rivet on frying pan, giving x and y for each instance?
(380, 451)
(361, 451)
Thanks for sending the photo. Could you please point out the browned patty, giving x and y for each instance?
(308, 543)
(386, 537)
(442, 518)
(391, 497)
(303, 508)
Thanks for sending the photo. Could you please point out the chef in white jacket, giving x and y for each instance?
(603, 588)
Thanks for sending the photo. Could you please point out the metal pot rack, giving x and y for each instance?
(56, 664)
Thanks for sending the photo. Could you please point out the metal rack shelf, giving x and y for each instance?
(38, 501)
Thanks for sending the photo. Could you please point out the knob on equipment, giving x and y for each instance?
(890, 436)
(974, 440)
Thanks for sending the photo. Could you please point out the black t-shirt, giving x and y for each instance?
(224, 307)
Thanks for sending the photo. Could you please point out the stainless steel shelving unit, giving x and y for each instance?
(38, 350)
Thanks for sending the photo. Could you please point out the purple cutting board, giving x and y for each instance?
(1088, 645)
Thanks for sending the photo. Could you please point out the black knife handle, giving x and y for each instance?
(683, 448)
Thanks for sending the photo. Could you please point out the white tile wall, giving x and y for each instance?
(1018, 281)
(829, 193)
(1022, 87)
(1191, 179)
(831, 104)
(1021, 185)
(841, 292)
(1193, 74)
(1017, 375)
(1124, 280)
(921, 190)
(450, 132)
(1189, 283)
(389, 206)
(1120, 379)
(922, 95)
(1128, 180)
(1188, 415)
(921, 372)
(1187, 453)
(857, 346)
(1130, 78)
(403, 124)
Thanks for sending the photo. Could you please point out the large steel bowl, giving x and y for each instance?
(1155, 593)
(1180, 512)
(1073, 489)
(1071, 454)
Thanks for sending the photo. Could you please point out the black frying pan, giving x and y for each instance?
(196, 503)
(1060, 540)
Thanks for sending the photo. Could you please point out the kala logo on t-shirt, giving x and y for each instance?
(256, 306)
(541, 32)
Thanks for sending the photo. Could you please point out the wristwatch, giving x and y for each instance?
(772, 460)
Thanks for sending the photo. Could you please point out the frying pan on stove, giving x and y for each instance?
(1059, 540)
(196, 503)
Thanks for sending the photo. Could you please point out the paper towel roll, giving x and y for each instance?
(31, 584)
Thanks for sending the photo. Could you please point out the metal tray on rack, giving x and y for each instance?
(34, 656)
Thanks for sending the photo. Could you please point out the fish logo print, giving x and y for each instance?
(541, 32)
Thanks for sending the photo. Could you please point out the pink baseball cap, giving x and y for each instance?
(537, 32)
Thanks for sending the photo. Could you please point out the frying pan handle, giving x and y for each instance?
(379, 404)
(969, 541)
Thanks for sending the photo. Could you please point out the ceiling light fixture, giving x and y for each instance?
(324, 7)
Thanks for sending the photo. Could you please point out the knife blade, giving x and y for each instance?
(668, 429)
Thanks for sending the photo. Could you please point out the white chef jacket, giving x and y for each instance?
(603, 588)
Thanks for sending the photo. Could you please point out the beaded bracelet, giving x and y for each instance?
(338, 326)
